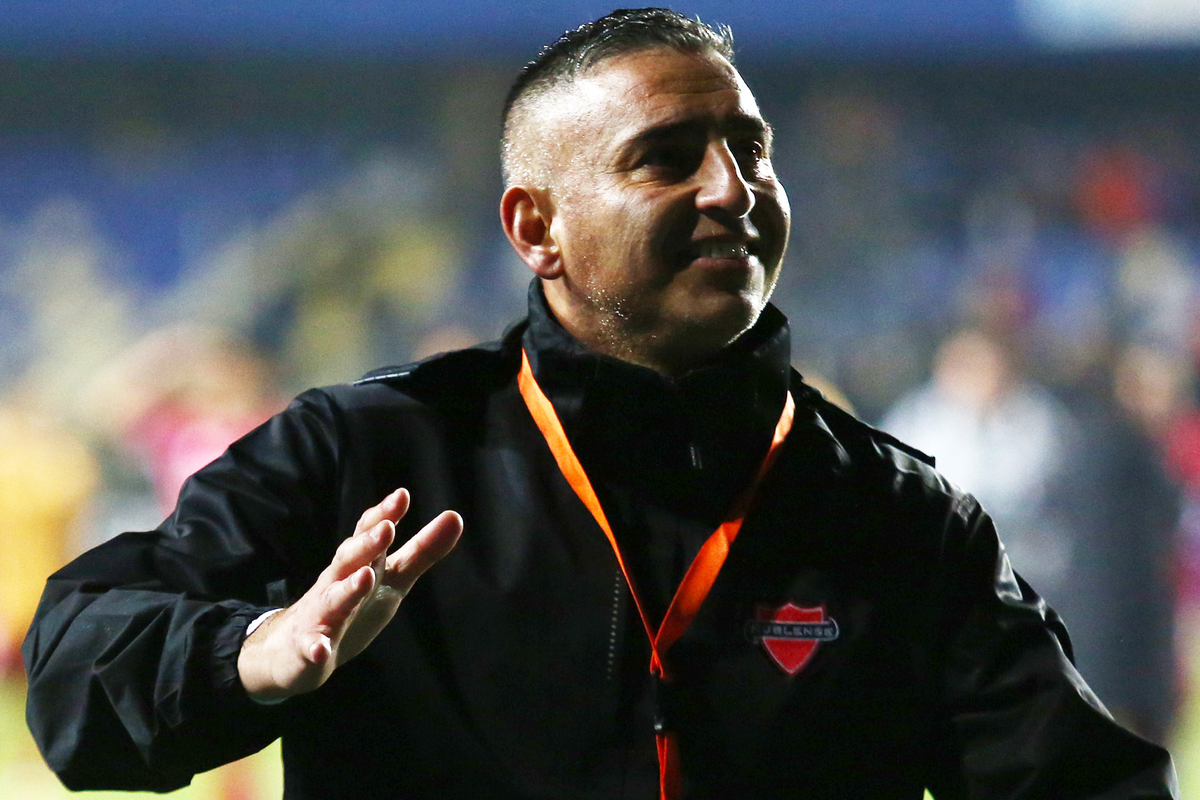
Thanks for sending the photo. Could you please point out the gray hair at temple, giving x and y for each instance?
(622, 32)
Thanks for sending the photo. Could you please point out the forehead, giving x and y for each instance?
(627, 94)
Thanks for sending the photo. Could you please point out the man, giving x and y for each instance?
(684, 574)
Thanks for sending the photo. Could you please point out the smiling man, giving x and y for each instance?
(643, 195)
(684, 573)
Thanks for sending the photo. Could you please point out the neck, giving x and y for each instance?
(670, 352)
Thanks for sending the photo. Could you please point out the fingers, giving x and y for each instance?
(393, 508)
(355, 597)
(341, 598)
(390, 510)
(361, 550)
(423, 550)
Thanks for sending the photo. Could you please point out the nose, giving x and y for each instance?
(722, 186)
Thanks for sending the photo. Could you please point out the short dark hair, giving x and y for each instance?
(626, 30)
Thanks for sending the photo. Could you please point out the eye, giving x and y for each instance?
(752, 157)
(672, 159)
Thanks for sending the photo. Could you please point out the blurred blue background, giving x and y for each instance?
(206, 207)
(407, 28)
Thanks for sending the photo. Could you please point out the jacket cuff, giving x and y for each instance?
(227, 645)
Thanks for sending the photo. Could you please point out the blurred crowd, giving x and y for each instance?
(1009, 283)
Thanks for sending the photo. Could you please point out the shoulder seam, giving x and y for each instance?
(386, 375)
(495, 352)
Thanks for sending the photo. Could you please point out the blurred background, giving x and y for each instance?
(208, 207)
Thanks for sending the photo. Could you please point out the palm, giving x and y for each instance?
(352, 600)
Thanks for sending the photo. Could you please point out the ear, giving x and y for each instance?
(526, 213)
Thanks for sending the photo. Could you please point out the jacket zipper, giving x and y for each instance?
(614, 624)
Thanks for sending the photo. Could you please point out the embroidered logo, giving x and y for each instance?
(791, 634)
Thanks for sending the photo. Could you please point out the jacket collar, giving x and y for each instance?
(694, 440)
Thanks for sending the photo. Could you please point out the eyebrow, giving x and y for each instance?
(741, 124)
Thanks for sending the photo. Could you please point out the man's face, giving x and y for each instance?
(671, 222)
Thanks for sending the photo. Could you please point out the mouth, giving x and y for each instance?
(722, 250)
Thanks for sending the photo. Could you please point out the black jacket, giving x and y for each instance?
(516, 668)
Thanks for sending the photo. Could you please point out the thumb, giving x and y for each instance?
(319, 650)
(422, 551)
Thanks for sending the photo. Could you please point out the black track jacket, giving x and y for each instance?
(516, 668)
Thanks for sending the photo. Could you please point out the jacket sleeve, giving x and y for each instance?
(132, 655)
(1021, 721)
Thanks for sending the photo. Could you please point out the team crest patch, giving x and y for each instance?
(791, 634)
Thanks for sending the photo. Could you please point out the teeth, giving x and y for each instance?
(722, 250)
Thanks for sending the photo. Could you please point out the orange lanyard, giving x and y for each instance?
(700, 575)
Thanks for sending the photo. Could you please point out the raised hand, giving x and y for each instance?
(297, 649)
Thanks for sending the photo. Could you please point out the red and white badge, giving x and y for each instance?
(791, 634)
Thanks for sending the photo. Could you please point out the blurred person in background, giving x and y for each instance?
(47, 479)
(178, 397)
(1119, 598)
(1088, 512)
(604, 628)
(1183, 459)
(994, 430)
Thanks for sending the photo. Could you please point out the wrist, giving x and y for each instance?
(257, 622)
(254, 663)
